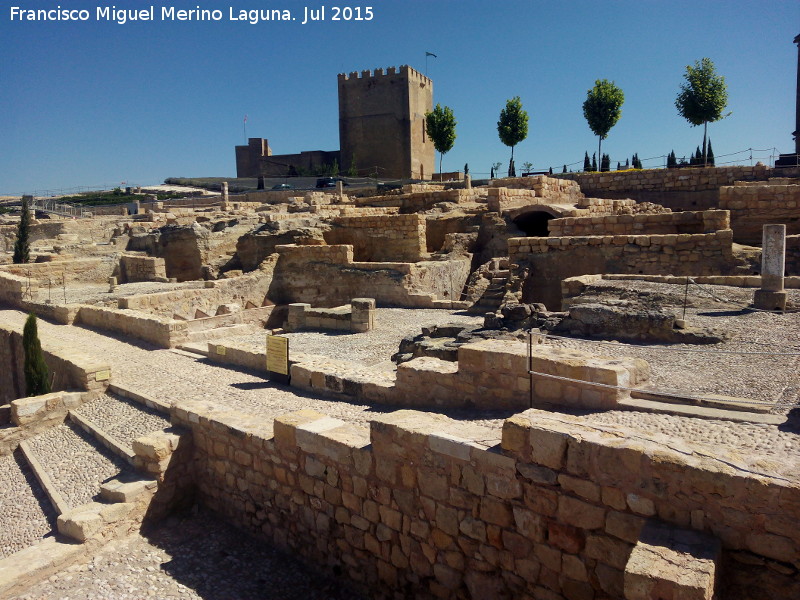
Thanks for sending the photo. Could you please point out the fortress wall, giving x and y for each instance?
(552, 507)
(649, 224)
(552, 259)
(753, 206)
(385, 238)
(162, 332)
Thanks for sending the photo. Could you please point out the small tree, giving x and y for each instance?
(441, 127)
(22, 245)
(37, 375)
(605, 163)
(565, 169)
(551, 170)
(513, 125)
(466, 168)
(594, 162)
(710, 154)
(527, 166)
(619, 167)
(496, 168)
(702, 97)
(602, 109)
(587, 164)
(672, 162)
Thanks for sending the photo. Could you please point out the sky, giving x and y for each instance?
(95, 103)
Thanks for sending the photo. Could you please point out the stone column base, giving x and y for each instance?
(770, 300)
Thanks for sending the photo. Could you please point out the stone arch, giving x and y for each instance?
(533, 219)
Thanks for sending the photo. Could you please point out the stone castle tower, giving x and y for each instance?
(382, 122)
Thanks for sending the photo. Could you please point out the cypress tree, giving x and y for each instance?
(605, 163)
(37, 375)
(710, 155)
(565, 169)
(587, 165)
(627, 163)
(551, 170)
(22, 246)
(619, 167)
(594, 161)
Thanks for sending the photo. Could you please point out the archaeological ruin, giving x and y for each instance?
(579, 387)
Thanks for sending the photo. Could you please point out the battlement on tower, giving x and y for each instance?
(356, 77)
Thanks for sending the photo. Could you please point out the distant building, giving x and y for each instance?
(381, 124)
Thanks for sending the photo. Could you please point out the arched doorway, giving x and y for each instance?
(533, 223)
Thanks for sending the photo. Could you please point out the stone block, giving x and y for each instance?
(672, 564)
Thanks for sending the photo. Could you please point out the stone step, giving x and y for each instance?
(501, 273)
(71, 465)
(499, 281)
(28, 514)
(115, 421)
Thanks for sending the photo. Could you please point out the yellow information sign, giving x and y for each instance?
(221, 350)
(102, 375)
(278, 354)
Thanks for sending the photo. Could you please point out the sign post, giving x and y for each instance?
(278, 358)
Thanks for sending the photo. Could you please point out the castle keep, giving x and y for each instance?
(381, 124)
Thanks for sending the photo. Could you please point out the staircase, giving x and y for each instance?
(491, 299)
(85, 464)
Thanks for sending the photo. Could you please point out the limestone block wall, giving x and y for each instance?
(552, 259)
(249, 290)
(386, 238)
(358, 316)
(15, 288)
(71, 368)
(553, 190)
(77, 270)
(649, 224)
(141, 268)
(499, 369)
(328, 276)
(437, 227)
(164, 333)
(503, 198)
(753, 206)
(423, 199)
(685, 179)
(420, 505)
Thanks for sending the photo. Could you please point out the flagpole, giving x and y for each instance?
(244, 129)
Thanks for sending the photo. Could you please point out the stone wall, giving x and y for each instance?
(386, 238)
(358, 316)
(70, 368)
(560, 191)
(77, 270)
(550, 260)
(648, 224)
(162, 332)
(419, 200)
(753, 206)
(420, 505)
(681, 189)
(328, 276)
(249, 290)
(141, 268)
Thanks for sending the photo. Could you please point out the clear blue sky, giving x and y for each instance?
(92, 103)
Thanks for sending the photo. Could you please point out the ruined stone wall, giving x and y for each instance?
(422, 505)
(424, 199)
(649, 224)
(386, 238)
(552, 259)
(70, 368)
(75, 270)
(753, 206)
(141, 268)
(248, 291)
(550, 188)
(438, 226)
(682, 189)
(328, 276)
(160, 331)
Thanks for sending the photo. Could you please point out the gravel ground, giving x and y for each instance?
(123, 419)
(703, 369)
(168, 375)
(373, 348)
(76, 466)
(190, 556)
(26, 515)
